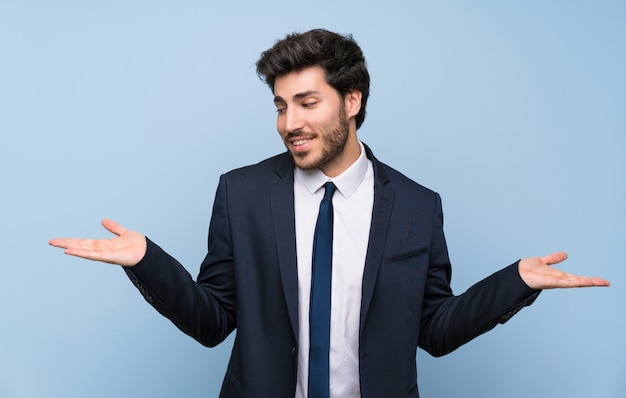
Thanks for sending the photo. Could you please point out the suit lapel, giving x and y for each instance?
(283, 216)
(381, 213)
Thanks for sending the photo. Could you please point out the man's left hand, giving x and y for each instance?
(537, 273)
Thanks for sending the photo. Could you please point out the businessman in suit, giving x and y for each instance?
(389, 283)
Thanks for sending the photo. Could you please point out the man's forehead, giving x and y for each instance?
(302, 83)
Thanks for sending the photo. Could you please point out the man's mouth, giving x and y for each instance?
(299, 142)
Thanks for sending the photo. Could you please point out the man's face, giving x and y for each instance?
(313, 122)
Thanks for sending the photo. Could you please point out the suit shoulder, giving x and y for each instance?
(386, 174)
(404, 183)
(263, 169)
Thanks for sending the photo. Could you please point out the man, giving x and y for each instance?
(304, 327)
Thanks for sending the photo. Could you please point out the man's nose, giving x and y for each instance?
(293, 120)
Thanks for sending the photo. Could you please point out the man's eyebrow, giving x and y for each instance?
(305, 94)
(279, 100)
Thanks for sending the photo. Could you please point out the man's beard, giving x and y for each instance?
(334, 142)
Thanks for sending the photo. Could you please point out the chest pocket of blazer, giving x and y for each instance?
(403, 278)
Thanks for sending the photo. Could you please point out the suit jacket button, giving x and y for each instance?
(293, 351)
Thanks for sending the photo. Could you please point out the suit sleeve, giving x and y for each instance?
(203, 309)
(449, 321)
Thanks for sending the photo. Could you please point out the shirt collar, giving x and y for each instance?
(346, 182)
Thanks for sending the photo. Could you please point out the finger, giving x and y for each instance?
(85, 248)
(74, 244)
(113, 227)
(600, 282)
(554, 258)
(62, 243)
(590, 281)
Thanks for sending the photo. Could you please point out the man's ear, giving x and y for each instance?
(352, 103)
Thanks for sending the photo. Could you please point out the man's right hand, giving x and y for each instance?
(127, 248)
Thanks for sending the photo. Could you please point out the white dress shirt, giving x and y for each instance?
(352, 205)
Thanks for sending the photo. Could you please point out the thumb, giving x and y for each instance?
(554, 258)
(113, 227)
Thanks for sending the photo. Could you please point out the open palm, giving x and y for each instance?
(127, 248)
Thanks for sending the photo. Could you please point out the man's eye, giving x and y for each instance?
(309, 104)
(281, 111)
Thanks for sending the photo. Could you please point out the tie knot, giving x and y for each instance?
(330, 190)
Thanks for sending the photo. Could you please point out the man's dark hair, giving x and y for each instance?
(339, 56)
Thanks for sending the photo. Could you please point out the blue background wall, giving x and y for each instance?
(514, 111)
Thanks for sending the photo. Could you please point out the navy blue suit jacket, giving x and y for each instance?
(248, 282)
